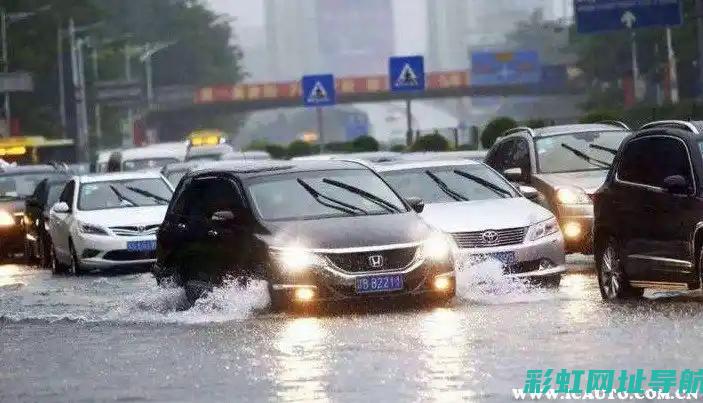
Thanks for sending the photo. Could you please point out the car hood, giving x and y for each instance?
(12, 206)
(124, 216)
(481, 215)
(589, 181)
(348, 232)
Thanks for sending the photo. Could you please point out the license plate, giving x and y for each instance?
(507, 258)
(141, 246)
(370, 284)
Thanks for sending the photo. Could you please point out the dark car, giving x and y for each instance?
(16, 185)
(566, 164)
(649, 213)
(38, 205)
(315, 230)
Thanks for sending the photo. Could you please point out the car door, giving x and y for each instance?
(59, 223)
(651, 227)
(228, 223)
(33, 210)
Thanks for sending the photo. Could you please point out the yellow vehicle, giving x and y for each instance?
(32, 150)
(207, 145)
(201, 138)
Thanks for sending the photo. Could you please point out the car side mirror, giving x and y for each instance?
(223, 216)
(61, 208)
(514, 174)
(676, 184)
(416, 204)
(529, 192)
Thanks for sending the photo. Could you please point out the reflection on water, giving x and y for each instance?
(579, 288)
(442, 334)
(302, 364)
(9, 274)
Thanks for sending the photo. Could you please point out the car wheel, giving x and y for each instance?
(75, 266)
(44, 247)
(279, 300)
(30, 257)
(612, 280)
(56, 266)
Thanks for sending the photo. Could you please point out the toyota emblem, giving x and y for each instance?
(376, 261)
(489, 237)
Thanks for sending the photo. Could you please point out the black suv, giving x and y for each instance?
(649, 213)
(315, 230)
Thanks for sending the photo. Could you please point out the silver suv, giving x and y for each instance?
(566, 164)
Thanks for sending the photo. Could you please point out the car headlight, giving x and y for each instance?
(296, 259)
(91, 229)
(438, 247)
(542, 229)
(572, 195)
(6, 219)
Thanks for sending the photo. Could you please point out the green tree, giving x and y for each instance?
(495, 129)
(299, 148)
(365, 143)
(430, 142)
(599, 116)
(277, 151)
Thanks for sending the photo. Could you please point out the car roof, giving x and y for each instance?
(371, 156)
(117, 176)
(405, 165)
(263, 167)
(23, 169)
(575, 128)
(160, 150)
(685, 125)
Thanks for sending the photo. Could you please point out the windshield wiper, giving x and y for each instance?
(148, 194)
(454, 195)
(385, 204)
(604, 148)
(121, 196)
(496, 189)
(593, 161)
(339, 205)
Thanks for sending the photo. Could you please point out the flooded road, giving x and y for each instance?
(124, 338)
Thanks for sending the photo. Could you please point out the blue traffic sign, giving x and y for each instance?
(406, 73)
(609, 15)
(505, 68)
(318, 90)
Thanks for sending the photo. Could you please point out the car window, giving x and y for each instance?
(500, 159)
(148, 163)
(54, 193)
(175, 176)
(206, 196)
(554, 156)
(450, 184)
(649, 160)
(124, 194)
(321, 194)
(19, 186)
(67, 193)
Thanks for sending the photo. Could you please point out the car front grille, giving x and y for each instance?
(124, 255)
(490, 238)
(359, 262)
(133, 230)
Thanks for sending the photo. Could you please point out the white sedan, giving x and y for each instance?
(108, 221)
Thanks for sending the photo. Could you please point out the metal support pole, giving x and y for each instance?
(699, 28)
(79, 89)
(149, 84)
(409, 120)
(635, 66)
(5, 65)
(320, 129)
(62, 85)
(98, 120)
(129, 135)
(673, 75)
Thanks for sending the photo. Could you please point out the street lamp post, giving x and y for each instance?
(151, 50)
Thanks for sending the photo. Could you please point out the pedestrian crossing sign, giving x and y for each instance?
(318, 90)
(406, 73)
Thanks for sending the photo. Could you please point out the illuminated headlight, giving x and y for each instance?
(296, 259)
(542, 229)
(438, 247)
(91, 229)
(6, 219)
(572, 195)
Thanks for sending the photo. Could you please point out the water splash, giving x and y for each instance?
(483, 282)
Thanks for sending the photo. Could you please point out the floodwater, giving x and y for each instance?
(124, 338)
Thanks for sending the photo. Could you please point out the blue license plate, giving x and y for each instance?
(141, 246)
(370, 284)
(507, 258)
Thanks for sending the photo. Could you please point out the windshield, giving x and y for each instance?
(174, 177)
(554, 154)
(20, 186)
(450, 183)
(149, 163)
(124, 193)
(323, 194)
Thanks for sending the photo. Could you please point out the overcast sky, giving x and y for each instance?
(410, 25)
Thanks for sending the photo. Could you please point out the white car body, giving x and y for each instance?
(121, 225)
(509, 218)
(160, 154)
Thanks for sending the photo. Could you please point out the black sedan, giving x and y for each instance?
(36, 218)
